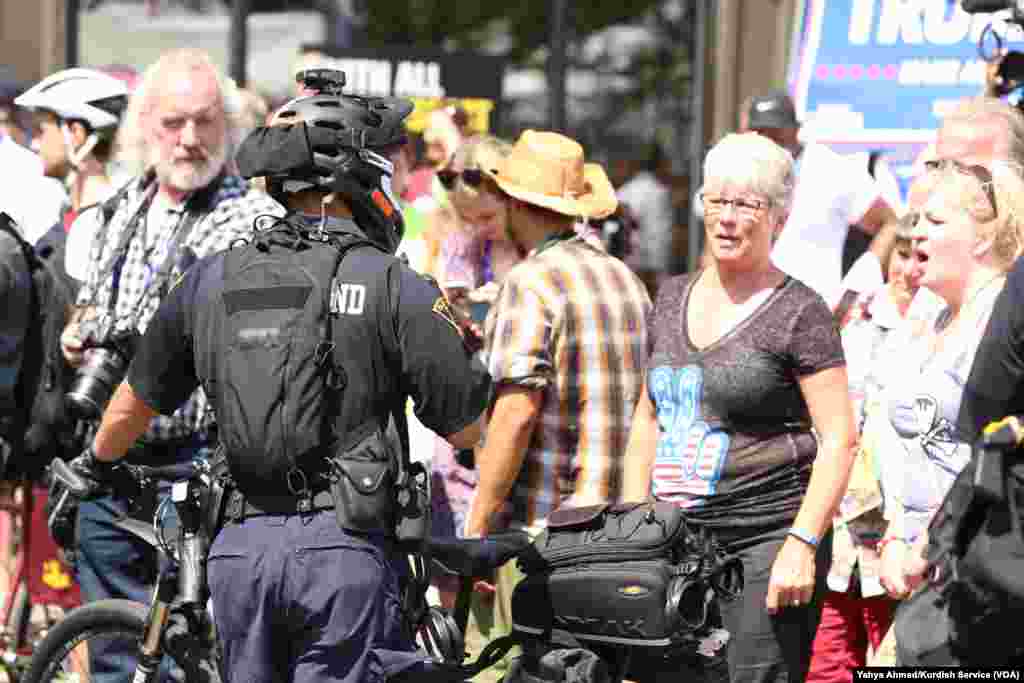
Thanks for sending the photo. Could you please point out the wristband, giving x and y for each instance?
(809, 539)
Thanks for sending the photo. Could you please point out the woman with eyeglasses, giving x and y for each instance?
(968, 236)
(746, 419)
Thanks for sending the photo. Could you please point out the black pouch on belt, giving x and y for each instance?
(363, 485)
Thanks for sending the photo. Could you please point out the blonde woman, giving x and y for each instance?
(478, 253)
(966, 240)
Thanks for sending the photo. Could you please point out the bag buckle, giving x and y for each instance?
(298, 486)
(235, 509)
(323, 351)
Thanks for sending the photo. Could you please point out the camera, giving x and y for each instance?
(104, 367)
(1010, 73)
(324, 81)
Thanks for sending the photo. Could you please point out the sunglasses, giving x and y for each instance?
(471, 177)
(976, 171)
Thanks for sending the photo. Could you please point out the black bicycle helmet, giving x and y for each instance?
(347, 135)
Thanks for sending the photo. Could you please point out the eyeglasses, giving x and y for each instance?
(471, 176)
(976, 171)
(715, 204)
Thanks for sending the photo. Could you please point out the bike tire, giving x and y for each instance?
(105, 617)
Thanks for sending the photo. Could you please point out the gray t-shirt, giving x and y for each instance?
(735, 443)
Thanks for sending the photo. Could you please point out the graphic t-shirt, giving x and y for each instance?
(735, 442)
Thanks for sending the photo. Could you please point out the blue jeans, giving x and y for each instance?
(114, 563)
(296, 598)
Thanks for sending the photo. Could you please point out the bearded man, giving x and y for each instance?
(181, 128)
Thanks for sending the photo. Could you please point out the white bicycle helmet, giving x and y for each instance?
(79, 95)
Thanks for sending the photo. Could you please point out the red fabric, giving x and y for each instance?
(849, 624)
(49, 580)
(418, 184)
(69, 217)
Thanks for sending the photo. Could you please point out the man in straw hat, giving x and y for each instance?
(566, 343)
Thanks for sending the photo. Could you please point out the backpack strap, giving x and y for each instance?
(325, 353)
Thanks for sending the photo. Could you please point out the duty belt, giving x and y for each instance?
(241, 505)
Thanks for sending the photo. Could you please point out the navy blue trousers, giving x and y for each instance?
(296, 599)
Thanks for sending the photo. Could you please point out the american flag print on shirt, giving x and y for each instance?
(690, 454)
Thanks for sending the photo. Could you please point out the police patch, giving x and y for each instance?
(443, 309)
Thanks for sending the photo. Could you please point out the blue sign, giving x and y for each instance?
(883, 72)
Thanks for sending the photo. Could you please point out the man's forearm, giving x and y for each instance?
(124, 421)
(498, 464)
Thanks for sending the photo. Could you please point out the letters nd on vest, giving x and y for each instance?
(347, 298)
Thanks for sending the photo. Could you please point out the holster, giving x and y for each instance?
(377, 490)
(363, 477)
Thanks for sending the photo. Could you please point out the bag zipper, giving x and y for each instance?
(611, 551)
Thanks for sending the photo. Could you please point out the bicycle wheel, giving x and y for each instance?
(110, 631)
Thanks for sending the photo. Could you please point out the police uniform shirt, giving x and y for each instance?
(394, 333)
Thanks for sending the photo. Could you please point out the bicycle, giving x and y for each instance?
(175, 629)
(176, 625)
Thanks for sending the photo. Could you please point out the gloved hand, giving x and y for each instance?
(96, 473)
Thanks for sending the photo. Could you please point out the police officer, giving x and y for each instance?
(295, 596)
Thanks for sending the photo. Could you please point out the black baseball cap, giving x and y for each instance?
(774, 110)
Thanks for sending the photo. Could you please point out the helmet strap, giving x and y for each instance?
(76, 157)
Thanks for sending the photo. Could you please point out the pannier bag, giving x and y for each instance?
(631, 574)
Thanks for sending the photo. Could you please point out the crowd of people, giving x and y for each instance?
(810, 419)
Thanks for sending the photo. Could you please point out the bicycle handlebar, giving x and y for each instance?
(141, 474)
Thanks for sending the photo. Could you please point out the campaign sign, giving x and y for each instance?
(430, 79)
(878, 72)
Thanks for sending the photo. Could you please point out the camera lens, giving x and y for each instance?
(102, 371)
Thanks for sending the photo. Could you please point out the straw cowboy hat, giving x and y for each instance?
(547, 170)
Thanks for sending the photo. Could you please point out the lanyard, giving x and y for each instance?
(553, 239)
(486, 267)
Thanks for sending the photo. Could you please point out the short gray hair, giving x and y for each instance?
(752, 162)
(133, 147)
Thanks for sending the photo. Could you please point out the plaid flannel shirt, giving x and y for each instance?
(235, 207)
(571, 321)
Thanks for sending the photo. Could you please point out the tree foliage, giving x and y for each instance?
(517, 30)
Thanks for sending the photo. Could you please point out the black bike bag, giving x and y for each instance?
(634, 574)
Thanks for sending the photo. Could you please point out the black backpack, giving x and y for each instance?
(49, 430)
(275, 389)
(976, 552)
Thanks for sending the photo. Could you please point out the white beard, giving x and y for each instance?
(191, 176)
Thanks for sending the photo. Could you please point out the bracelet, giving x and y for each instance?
(809, 539)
